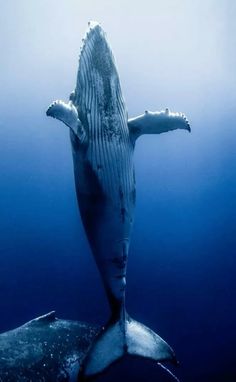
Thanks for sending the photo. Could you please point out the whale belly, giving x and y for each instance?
(105, 187)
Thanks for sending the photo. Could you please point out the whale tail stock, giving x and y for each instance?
(124, 336)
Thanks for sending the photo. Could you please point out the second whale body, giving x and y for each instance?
(103, 141)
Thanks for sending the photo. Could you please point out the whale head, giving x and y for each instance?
(96, 52)
(98, 86)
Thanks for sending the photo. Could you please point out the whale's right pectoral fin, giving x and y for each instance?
(68, 114)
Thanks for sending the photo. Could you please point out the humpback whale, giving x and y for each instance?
(103, 142)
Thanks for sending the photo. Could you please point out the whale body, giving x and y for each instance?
(103, 141)
(45, 349)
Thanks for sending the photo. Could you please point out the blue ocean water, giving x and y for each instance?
(181, 271)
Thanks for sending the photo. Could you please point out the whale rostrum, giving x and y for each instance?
(103, 142)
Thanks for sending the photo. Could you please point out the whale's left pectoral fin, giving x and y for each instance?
(68, 114)
(157, 123)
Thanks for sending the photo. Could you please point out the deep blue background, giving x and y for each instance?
(182, 263)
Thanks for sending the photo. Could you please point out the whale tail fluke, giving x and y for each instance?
(120, 338)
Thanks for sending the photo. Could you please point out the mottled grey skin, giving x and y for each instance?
(45, 349)
(103, 142)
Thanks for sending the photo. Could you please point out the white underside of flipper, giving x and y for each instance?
(68, 114)
(157, 123)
